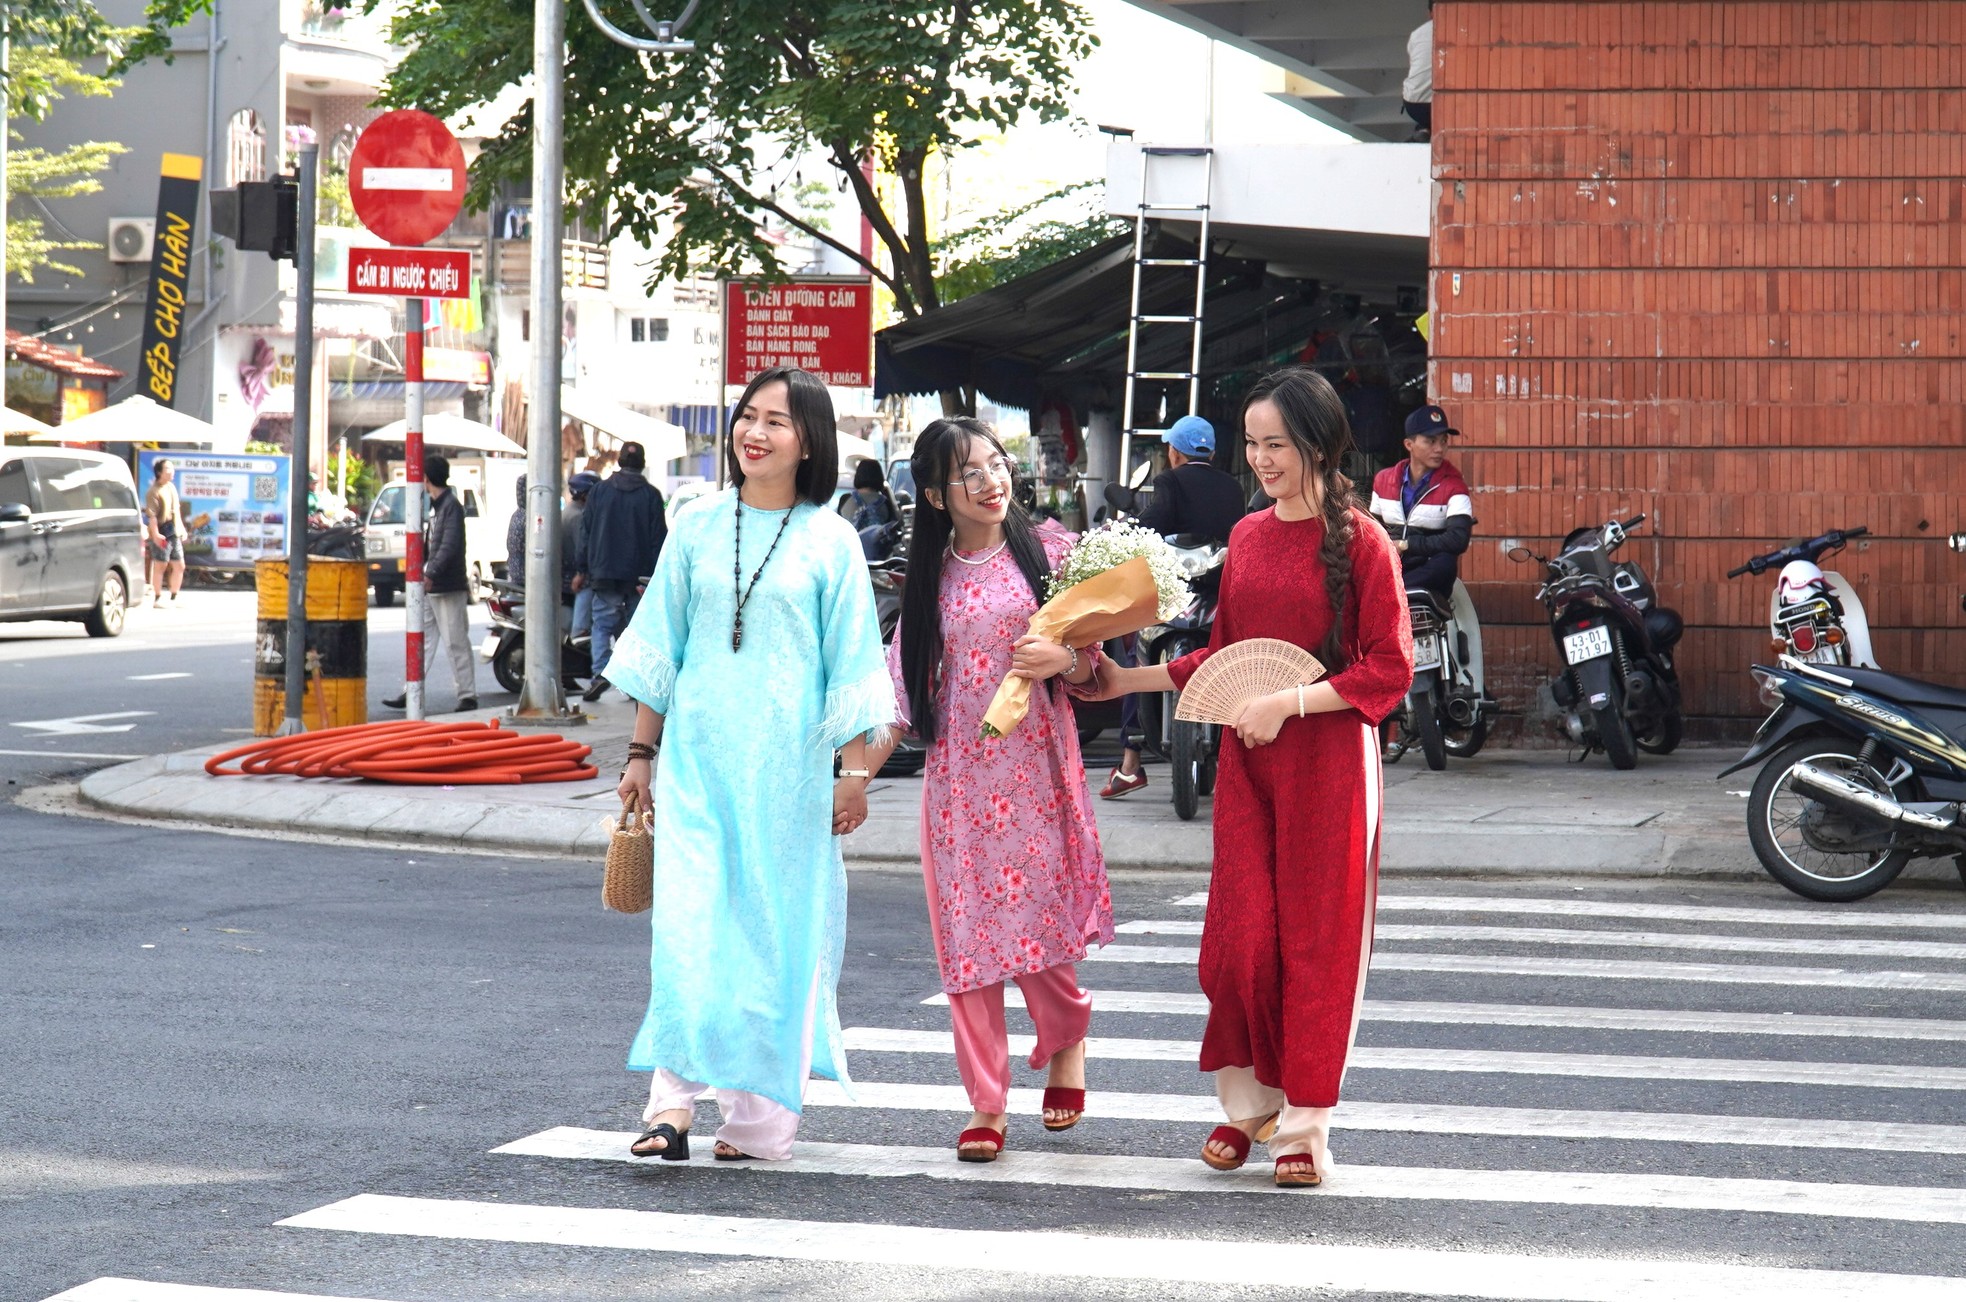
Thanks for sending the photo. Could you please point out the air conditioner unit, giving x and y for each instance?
(130, 238)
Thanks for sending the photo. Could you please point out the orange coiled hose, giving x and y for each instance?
(413, 752)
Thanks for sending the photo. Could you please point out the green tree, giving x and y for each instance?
(1020, 240)
(693, 140)
(49, 40)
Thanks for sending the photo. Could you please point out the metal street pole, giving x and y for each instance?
(296, 666)
(415, 504)
(540, 695)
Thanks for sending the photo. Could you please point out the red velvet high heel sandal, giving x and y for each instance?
(979, 1135)
(1303, 1179)
(1235, 1139)
(1059, 1099)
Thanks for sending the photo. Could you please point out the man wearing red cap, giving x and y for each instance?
(1425, 505)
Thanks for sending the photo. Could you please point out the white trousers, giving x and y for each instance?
(1299, 1130)
(447, 615)
(753, 1124)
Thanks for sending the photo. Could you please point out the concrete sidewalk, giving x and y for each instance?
(1505, 811)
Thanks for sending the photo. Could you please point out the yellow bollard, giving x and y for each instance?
(337, 646)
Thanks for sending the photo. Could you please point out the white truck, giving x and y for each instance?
(486, 487)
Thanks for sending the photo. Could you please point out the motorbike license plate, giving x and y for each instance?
(1426, 653)
(1586, 644)
(489, 647)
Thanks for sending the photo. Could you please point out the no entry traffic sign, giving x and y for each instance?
(410, 273)
(406, 177)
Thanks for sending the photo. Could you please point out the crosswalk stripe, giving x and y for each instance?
(1302, 1267)
(867, 1039)
(111, 1289)
(1188, 1175)
(1675, 1020)
(1447, 1119)
(1861, 916)
(1610, 968)
(1845, 946)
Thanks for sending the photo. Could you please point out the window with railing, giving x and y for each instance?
(245, 148)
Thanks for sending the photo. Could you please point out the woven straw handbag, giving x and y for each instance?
(628, 877)
(1241, 672)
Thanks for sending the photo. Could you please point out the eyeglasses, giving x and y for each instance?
(977, 479)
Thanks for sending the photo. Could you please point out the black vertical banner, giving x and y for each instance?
(170, 273)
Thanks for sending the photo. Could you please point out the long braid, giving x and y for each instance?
(1336, 554)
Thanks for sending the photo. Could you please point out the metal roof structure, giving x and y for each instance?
(1343, 61)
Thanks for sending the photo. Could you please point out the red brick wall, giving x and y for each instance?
(1707, 261)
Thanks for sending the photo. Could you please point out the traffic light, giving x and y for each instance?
(259, 216)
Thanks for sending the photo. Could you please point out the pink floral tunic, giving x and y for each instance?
(1010, 853)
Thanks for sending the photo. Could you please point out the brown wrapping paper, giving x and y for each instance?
(1122, 600)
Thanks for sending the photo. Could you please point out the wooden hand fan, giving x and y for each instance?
(1241, 672)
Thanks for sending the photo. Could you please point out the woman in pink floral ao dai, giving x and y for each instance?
(1010, 854)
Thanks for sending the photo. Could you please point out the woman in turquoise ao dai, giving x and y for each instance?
(755, 655)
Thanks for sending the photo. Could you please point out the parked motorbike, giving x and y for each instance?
(505, 645)
(1448, 709)
(890, 579)
(1619, 691)
(1862, 772)
(1191, 748)
(1812, 615)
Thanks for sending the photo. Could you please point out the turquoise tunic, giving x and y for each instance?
(750, 891)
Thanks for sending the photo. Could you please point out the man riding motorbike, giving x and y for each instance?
(1190, 497)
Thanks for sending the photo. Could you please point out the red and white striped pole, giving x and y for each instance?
(413, 508)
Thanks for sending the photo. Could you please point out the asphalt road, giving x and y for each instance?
(205, 1036)
(177, 677)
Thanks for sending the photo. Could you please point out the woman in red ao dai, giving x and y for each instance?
(1010, 854)
(1288, 932)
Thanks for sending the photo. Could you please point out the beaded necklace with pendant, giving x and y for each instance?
(737, 586)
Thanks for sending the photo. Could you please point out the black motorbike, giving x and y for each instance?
(1619, 692)
(1191, 748)
(890, 578)
(1862, 771)
(505, 606)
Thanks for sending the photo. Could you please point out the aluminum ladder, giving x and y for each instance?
(1136, 318)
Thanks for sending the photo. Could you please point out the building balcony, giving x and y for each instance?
(583, 265)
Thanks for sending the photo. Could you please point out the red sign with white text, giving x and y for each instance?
(820, 324)
(410, 273)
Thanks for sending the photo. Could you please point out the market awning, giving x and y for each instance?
(441, 430)
(138, 419)
(661, 440)
(1061, 331)
(14, 424)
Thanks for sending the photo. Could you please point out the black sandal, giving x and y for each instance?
(675, 1147)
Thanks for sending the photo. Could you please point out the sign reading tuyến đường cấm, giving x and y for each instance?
(170, 274)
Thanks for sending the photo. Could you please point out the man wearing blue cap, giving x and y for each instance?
(1425, 505)
(1192, 496)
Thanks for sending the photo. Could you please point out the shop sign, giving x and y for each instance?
(822, 324)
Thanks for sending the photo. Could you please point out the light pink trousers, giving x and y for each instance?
(1060, 1010)
(752, 1123)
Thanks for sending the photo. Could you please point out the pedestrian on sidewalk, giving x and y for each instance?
(755, 658)
(165, 510)
(573, 563)
(621, 536)
(1010, 852)
(1288, 932)
(446, 588)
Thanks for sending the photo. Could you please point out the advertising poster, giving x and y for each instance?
(170, 271)
(235, 507)
(820, 324)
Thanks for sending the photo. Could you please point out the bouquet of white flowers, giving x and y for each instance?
(1115, 580)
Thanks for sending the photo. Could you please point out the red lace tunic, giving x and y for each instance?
(1288, 932)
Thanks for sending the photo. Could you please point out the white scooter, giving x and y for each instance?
(1813, 615)
(1448, 708)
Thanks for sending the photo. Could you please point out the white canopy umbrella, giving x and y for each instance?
(855, 448)
(138, 419)
(661, 440)
(442, 430)
(19, 422)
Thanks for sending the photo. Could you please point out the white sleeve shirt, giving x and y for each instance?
(1419, 87)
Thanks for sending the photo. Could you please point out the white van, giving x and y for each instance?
(71, 538)
(484, 536)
